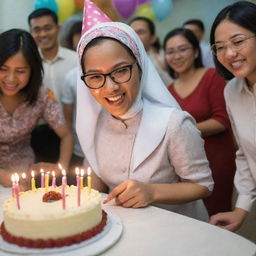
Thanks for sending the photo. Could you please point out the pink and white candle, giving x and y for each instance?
(17, 190)
(53, 179)
(63, 188)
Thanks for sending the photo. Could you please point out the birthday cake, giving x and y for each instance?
(42, 222)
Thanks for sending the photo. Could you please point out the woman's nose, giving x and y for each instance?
(10, 76)
(110, 84)
(229, 52)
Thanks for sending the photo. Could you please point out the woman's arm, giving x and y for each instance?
(5, 179)
(132, 193)
(219, 120)
(66, 144)
(210, 127)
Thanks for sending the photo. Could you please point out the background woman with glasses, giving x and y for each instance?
(234, 44)
(142, 148)
(199, 91)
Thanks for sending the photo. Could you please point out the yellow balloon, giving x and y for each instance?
(145, 10)
(66, 8)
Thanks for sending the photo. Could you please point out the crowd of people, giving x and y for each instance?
(169, 125)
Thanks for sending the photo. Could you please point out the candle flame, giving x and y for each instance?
(63, 172)
(77, 171)
(60, 166)
(13, 178)
(89, 170)
(32, 174)
(16, 177)
(23, 175)
(82, 172)
(41, 170)
(48, 172)
(53, 173)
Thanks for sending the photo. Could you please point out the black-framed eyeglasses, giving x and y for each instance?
(236, 44)
(118, 76)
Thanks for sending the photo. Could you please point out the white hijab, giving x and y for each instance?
(152, 92)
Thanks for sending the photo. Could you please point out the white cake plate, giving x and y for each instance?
(94, 246)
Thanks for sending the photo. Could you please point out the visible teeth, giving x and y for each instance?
(115, 98)
(236, 64)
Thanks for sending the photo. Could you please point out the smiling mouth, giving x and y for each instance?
(115, 100)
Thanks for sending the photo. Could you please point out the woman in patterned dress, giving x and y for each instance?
(23, 100)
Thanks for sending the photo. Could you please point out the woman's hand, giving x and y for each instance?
(231, 221)
(5, 179)
(132, 193)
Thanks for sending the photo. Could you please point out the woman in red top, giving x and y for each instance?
(199, 91)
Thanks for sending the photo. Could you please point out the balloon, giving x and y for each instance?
(161, 8)
(79, 5)
(66, 9)
(125, 7)
(50, 4)
(145, 10)
(140, 2)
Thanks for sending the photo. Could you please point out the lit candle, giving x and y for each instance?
(17, 178)
(64, 183)
(60, 166)
(17, 189)
(33, 182)
(13, 185)
(42, 178)
(47, 181)
(89, 179)
(82, 179)
(53, 179)
(78, 187)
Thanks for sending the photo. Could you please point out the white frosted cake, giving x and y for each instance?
(42, 224)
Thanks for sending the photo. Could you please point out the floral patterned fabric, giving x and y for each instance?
(15, 129)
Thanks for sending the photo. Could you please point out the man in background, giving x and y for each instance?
(145, 29)
(57, 61)
(197, 27)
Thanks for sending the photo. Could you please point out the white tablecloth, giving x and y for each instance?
(153, 231)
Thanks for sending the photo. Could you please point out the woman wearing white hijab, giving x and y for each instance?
(142, 148)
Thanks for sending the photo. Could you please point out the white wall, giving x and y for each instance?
(14, 13)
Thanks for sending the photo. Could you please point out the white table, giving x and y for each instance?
(153, 231)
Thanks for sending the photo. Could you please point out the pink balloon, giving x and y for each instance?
(140, 2)
(125, 7)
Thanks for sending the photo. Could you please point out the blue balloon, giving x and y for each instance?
(50, 4)
(161, 8)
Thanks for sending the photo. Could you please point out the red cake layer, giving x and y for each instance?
(50, 243)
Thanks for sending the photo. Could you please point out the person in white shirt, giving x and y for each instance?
(233, 39)
(57, 61)
(69, 96)
(197, 27)
(145, 29)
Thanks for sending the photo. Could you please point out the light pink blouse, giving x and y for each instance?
(15, 129)
(179, 157)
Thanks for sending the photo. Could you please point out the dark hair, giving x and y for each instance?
(18, 40)
(196, 22)
(149, 22)
(43, 12)
(76, 28)
(242, 13)
(99, 40)
(190, 36)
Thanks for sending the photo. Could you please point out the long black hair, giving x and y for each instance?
(242, 13)
(18, 40)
